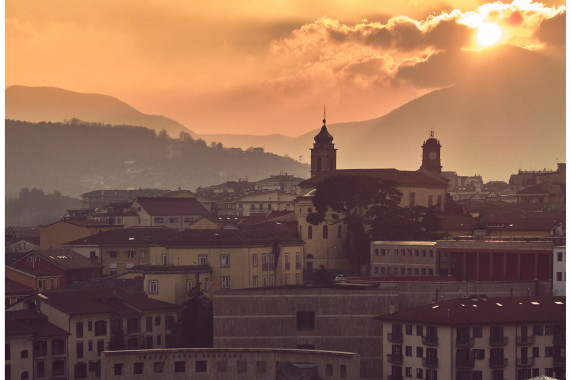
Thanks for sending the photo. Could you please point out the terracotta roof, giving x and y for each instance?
(66, 259)
(92, 301)
(504, 310)
(29, 322)
(130, 236)
(171, 268)
(16, 289)
(400, 177)
(172, 206)
(256, 236)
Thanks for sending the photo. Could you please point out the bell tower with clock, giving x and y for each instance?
(431, 155)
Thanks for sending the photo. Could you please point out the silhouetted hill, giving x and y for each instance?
(508, 116)
(38, 104)
(74, 159)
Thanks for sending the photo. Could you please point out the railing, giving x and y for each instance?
(526, 362)
(525, 340)
(431, 341)
(394, 359)
(394, 338)
(464, 342)
(496, 341)
(430, 362)
(498, 363)
(464, 363)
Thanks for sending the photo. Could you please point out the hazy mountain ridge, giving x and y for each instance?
(37, 104)
(73, 159)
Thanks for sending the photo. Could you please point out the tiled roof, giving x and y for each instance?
(81, 223)
(93, 301)
(11, 257)
(16, 289)
(66, 259)
(172, 206)
(400, 177)
(130, 236)
(504, 310)
(171, 268)
(36, 272)
(29, 322)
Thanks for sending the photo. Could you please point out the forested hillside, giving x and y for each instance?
(78, 157)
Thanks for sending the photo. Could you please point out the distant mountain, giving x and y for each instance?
(77, 158)
(38, 104)
(509, 116)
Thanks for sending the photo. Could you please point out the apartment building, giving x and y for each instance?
(513, 338)
(404, 258)
(559, 271)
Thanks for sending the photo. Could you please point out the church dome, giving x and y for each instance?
(323, 135)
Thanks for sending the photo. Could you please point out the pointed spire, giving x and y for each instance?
(324, 118)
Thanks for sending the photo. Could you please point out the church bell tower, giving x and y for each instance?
(431, 155)
(323, 153)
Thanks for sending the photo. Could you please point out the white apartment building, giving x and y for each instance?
(477, 338)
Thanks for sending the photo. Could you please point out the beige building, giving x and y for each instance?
(92, 318)
(172, 212)
(56, 234)
(256, 203)
(230, 364)
(476, 338)
(404, 258)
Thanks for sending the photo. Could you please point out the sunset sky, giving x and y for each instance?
(263, 67)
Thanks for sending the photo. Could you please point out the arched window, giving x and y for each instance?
(25, 375)
(325, 231)
(309, 232)
(24, 354)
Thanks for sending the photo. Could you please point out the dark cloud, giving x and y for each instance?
(552, 31)
(448, 34)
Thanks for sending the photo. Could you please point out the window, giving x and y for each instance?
(118, 369)
(100, 347)
(112, 254)
(408, 351)
(408, 371)
(173, 220)
(297, 260)
(158, 320)
(207, 284)
(309, 232)
(559, 276)
(79, 350)
(41, 348)
(286, 260)
(325, 232)
(418, 330)
(419, 352)
(343, 371)
(188, 219)
(477, 332)
(23, 353)
(255, 281)
(383, 252)
(179, 366)
(138, 368)
(498, 374)
(224, 261)
(548, 352)
(559, 256)
(149, 324)
(164, 259)
(80, 370)
(305, 320)
(538, 330)
(188, 286)
(272, 260)
(408, 329)
(159, 367)
(100, 328)
(328, 370)
(548, 329)
(418, 370)
(130, 254)
(169, 322)
(90, 346)
(158, 220)
(79, 329)
(535, 352)
(476, 375)
(255, 260)
(201, 366)
(202, 259)
(225, 282)
(154, 286)
(25, 376)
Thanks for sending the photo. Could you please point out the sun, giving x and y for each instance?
(488, 34)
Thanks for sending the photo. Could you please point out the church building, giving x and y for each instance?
(324, 243)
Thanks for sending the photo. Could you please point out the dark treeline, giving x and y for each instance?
(32, 208)
(74, 157)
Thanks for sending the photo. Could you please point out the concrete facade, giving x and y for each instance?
(226, 364)
(559, 271)
(404, 258)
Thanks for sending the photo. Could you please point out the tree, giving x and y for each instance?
(349, 199)
(195, 327)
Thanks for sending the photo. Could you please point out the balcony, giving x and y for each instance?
(430, 362)
(394, 359)
(525, 340)
(464, 364)
(394, 338)
(498, 341)
(464, 342)
(559, 339)
(431, 341)
(498, 363)
(525, 362)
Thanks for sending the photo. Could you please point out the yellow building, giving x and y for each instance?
(55, 234)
